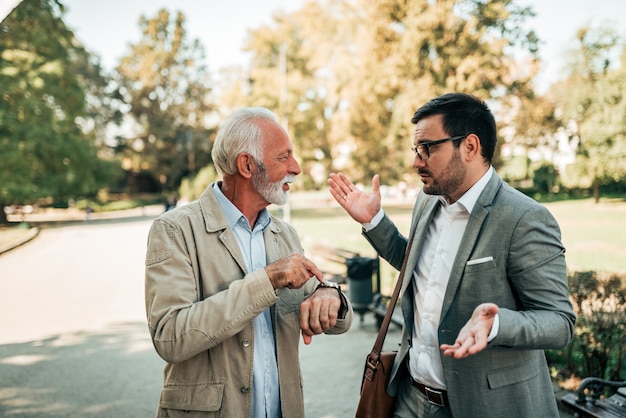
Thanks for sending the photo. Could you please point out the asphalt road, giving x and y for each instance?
(74, 341)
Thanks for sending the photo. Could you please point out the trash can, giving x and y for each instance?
(360, 272)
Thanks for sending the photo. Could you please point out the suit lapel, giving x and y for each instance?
(470, 237)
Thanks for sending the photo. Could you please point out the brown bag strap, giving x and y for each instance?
(382, 333)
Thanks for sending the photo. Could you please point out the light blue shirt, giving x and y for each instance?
(265, 387)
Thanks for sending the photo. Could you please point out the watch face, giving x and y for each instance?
(330, 284)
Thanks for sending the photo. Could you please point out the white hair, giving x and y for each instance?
(239, 133)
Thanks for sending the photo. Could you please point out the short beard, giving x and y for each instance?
(452, 176)
(271, 192)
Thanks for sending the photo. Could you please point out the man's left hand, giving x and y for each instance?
(473, 336)
(319, 312)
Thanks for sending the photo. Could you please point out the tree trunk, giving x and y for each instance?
(3, 215)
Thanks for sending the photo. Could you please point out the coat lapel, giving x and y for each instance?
(215, 221)
(470, 237)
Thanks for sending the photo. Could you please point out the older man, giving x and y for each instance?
(228, 290)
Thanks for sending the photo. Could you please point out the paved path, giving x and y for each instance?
(74, 342)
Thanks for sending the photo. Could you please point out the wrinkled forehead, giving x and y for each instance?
(275, 139)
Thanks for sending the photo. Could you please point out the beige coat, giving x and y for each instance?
(201, 302)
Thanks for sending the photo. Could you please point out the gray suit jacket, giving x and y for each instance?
(511, 255)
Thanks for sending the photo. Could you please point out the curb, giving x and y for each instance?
(32, 233)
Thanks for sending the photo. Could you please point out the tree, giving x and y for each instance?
(418, 49)
(45, 155)
(167, 86)
(593, 101)
(357, 69)
(300, 68)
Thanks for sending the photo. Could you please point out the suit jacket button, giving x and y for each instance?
(245, 389)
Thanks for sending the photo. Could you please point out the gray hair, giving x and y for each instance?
(239, 133)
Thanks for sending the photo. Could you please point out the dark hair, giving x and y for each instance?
(463, 114)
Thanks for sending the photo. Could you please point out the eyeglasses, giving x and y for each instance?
(422, 150)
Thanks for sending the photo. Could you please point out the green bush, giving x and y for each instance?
(599, 345)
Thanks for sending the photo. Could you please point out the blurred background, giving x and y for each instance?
(120, 101)
(108, 112)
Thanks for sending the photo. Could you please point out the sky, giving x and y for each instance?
(106, 27)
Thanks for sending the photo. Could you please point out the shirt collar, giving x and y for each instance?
(470, 197)
(232, 214)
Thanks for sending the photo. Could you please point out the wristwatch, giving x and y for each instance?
(334, 285)
(329, 284)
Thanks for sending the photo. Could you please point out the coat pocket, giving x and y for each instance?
(512, 375)
(480, 265)
(205, 397)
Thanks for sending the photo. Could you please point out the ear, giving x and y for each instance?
(471, 146)
(245, 165)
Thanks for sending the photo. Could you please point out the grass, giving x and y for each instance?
(332, 226)
(594, 235)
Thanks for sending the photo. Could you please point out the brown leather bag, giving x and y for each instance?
(375, 402)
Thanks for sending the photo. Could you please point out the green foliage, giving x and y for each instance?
(191, 188)
(416, 50)
(348, 75)
(44, 152)
(302, 68)
(592, 101)
(167, 86)
(515, 169)
(599, 346)
(545, 178)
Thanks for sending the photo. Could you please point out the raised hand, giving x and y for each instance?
(361, 206)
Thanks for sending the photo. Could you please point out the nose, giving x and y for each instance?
(418, 162)
(294, 167)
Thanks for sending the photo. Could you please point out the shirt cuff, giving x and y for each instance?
(368, 226)
(495, 328)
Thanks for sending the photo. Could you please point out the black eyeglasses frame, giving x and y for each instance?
(425, 146)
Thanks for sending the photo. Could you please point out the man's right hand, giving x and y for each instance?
(361, 206)
(292, 271)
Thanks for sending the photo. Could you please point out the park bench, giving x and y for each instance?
(590, 400)
(354, 273)
(332, 261)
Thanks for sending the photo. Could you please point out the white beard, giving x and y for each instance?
(272, 192)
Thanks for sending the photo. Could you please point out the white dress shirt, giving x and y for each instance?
(430, 280)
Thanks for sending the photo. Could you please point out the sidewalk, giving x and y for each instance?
(14, 236)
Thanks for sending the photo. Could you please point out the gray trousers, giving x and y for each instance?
(411, 403)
